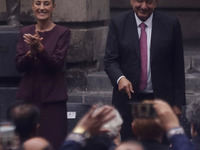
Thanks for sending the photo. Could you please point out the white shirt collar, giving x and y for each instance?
(148, 22)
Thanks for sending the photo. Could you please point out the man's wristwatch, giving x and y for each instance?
(80, 130)
(78, 135)
(175, 131)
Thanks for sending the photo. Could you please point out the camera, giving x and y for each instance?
(7, 136)
(143, 110)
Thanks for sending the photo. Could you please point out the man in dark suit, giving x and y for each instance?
(157, 71)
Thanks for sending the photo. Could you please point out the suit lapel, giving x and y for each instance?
(156, 28)
(132, 27)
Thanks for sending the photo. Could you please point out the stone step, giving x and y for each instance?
(192, 82)
(90, 97)
(7, 97)
(192, 96)
(192, 55)
(99, 81)
(80, 97)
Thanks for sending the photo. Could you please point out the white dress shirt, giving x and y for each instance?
(148, 30)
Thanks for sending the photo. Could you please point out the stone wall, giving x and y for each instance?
(88, 21)
(162, 4)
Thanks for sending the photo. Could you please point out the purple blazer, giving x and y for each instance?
(43, 78)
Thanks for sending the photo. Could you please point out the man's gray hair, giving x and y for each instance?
(193, 113)
(113, 125)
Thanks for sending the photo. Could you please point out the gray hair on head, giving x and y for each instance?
(193, 113)
(113, 125)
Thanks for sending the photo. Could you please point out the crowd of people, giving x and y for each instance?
(144, 61)
(100, 129)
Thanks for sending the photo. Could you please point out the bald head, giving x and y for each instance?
(37, 143)
(130, 145)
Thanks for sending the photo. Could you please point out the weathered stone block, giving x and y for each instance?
(98, 81)
(100, 97)
(187, 60)
(8, 41)
(192, 83)
(179, 4)
(82, 10)
(196, 63)
(76, 79)
(162, 4)
(191, 96)
(190, 31)
(120, 4)
(2, 6)
(72, 10)
(75, 97)
(87, 44)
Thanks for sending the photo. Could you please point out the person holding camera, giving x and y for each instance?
(146, 126)
(155, 119)
(170, 123)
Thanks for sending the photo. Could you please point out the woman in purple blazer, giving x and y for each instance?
(41, 52)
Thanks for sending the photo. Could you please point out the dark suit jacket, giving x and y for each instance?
(74, 145)
(43, 78)
(154, 145)
(181, 142)
(122, 57)
(71, 145)
(196, 142)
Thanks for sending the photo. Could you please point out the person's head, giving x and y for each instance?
(26, 119)
(147, 129)
(192, 115)
(43, 9)
(113, 125)
(36, 143)
(130, 145)
(143, 8)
